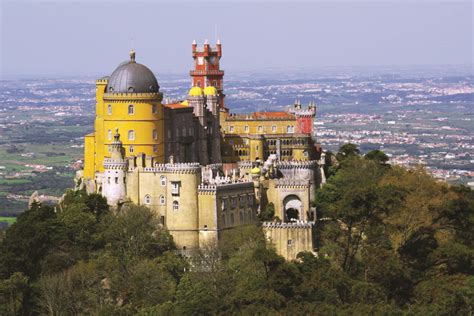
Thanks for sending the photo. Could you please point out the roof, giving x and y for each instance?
(195, 92)
(132, 77)
(175, 106)
(261, 116)
(273, 115)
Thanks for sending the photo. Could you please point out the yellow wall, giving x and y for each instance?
(143, 122)
(89, 156)
(233, 126)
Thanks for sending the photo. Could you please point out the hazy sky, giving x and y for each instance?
(92, 38)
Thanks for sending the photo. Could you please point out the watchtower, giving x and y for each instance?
(207, 70)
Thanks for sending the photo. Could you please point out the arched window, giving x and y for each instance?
(163, 181)
(274, 128)
(131, 109)
(109, 134)
(175, 206)
(109, 109)
(154, 109)
(131, 149)
(162, 200)
(131, 135)
(147, 199)
(241, 217)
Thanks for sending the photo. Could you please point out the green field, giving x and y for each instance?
(8, 219)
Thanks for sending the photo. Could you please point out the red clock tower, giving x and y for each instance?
(207, 71)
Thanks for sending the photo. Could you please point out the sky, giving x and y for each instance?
(54, 38)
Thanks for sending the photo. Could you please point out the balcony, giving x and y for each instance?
(206, 72)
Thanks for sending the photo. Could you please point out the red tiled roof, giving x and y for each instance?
(273, 115)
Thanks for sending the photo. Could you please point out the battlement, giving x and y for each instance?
(293, 183)
(110, 163)
(298, 164)
(293, 225)
(102, 81)
(125, 96)
(213, 188)
(186, 167)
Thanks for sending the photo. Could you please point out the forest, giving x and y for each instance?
(390, 241)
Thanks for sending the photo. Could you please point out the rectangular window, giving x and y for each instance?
(154, 109)
(246, 128)
(231, 128)
(131, 149)
(274, 128)
(290, 242)
(162, 220)
(155, 134)
(155, 148)
(260, 129)
(175, 187)
(109, 109)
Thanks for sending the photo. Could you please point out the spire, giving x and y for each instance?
(132, 56)
(194, 42)
(116, 147)
(218, 41)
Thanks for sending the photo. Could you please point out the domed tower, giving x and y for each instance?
(115, 170)
(128, 100)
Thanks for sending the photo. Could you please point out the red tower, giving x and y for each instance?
(207, 71)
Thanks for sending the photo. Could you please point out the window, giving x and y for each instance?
(246, 128)
(108, 180)
(223, 219)
(116, 180)
(131, 109)
(274, 128)
(169, 132)
(162, 220)
(175, 187)
(109, 134)
(232, 218)
(224, 204)
(131, 149)
(163, 181)
(198, 83)
(214, 83)
(231, 128)
(260, 129)
(241, 217)
(147, 199)
(289, 129)
(155, 134)
(155, 148)
(290, 242)
(175, 206)
(154, 109)
(131, 135)
(109, 109)
(162, 200)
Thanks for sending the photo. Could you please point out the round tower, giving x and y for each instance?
(115, 171)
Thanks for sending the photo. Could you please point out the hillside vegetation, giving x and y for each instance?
(390, 241)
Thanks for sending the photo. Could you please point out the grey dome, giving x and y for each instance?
(132, 77)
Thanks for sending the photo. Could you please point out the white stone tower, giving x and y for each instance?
(115, 169)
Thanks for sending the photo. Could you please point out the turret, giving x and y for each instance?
(114, 179)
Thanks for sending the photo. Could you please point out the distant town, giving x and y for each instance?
(417, 120)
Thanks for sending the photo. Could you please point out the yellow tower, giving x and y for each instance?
(130, 101)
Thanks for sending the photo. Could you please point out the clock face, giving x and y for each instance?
(213, 60)
(200, 60)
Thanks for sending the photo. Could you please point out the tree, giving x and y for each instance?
(347, 150)
(377, 156)
(268, 214)
(12, 293)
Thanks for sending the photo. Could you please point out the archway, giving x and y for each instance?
(292, 208)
